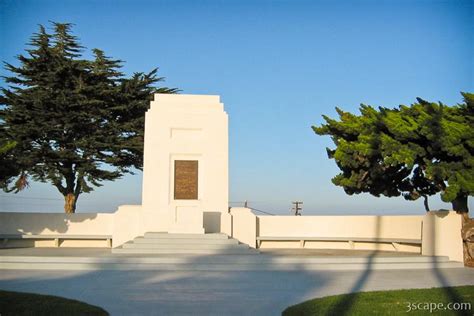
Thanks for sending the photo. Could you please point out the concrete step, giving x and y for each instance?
(183, 246)
(229, 259)
(156, 243)
(187, 241)
(361, 260)
(189, 250)
(54, 263)
(185, 236)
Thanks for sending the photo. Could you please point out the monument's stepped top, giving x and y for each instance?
(187, 101)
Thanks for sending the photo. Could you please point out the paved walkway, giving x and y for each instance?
(217, 293)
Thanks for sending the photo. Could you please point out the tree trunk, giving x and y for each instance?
(425, 203)
(70, 203)
(460, 203)
(467, 230)
(468, 240)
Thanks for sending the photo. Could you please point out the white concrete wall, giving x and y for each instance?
(127, 224)
(226, 223)
(440, 231)
(244, 225)
(442, 235)
(185, 127)
(408, 227)
(56, 223)
(123, 225)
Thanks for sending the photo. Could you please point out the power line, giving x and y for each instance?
(246, 204)
(242, 202)
(257, 210)
(28, 198)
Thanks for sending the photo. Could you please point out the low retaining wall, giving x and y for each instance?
(442, 235)
(402, 227)
(246, 227)
(408, 227)
(440, 231)
(56, 224)
(127, 224)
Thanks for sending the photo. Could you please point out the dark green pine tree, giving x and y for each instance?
(449, 164)
(9, 168)
(415, 151)
(70, 121)
(135, 94)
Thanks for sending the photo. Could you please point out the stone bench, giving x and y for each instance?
(351, 240)
(56, 237)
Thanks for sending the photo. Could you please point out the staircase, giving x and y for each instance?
(201, 244)
(19, 259)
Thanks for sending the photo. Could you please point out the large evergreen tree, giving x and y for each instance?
(70, 121)
(415, 151)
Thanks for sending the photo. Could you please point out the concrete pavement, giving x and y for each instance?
(217, 293)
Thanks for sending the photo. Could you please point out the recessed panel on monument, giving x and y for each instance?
(186, 179)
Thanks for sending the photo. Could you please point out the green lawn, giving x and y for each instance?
(15, 303)
(390, 303)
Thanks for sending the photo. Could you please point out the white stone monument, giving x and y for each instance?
(185, 172)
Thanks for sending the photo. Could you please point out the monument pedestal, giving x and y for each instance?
(185, 171)
(187, 219)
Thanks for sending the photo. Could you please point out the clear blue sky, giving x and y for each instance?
(278, 66)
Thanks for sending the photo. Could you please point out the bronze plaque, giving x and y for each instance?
(185, 179)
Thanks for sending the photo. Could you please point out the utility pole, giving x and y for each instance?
(297, 208)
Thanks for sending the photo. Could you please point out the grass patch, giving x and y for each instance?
(390, 303)
(15, 303)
